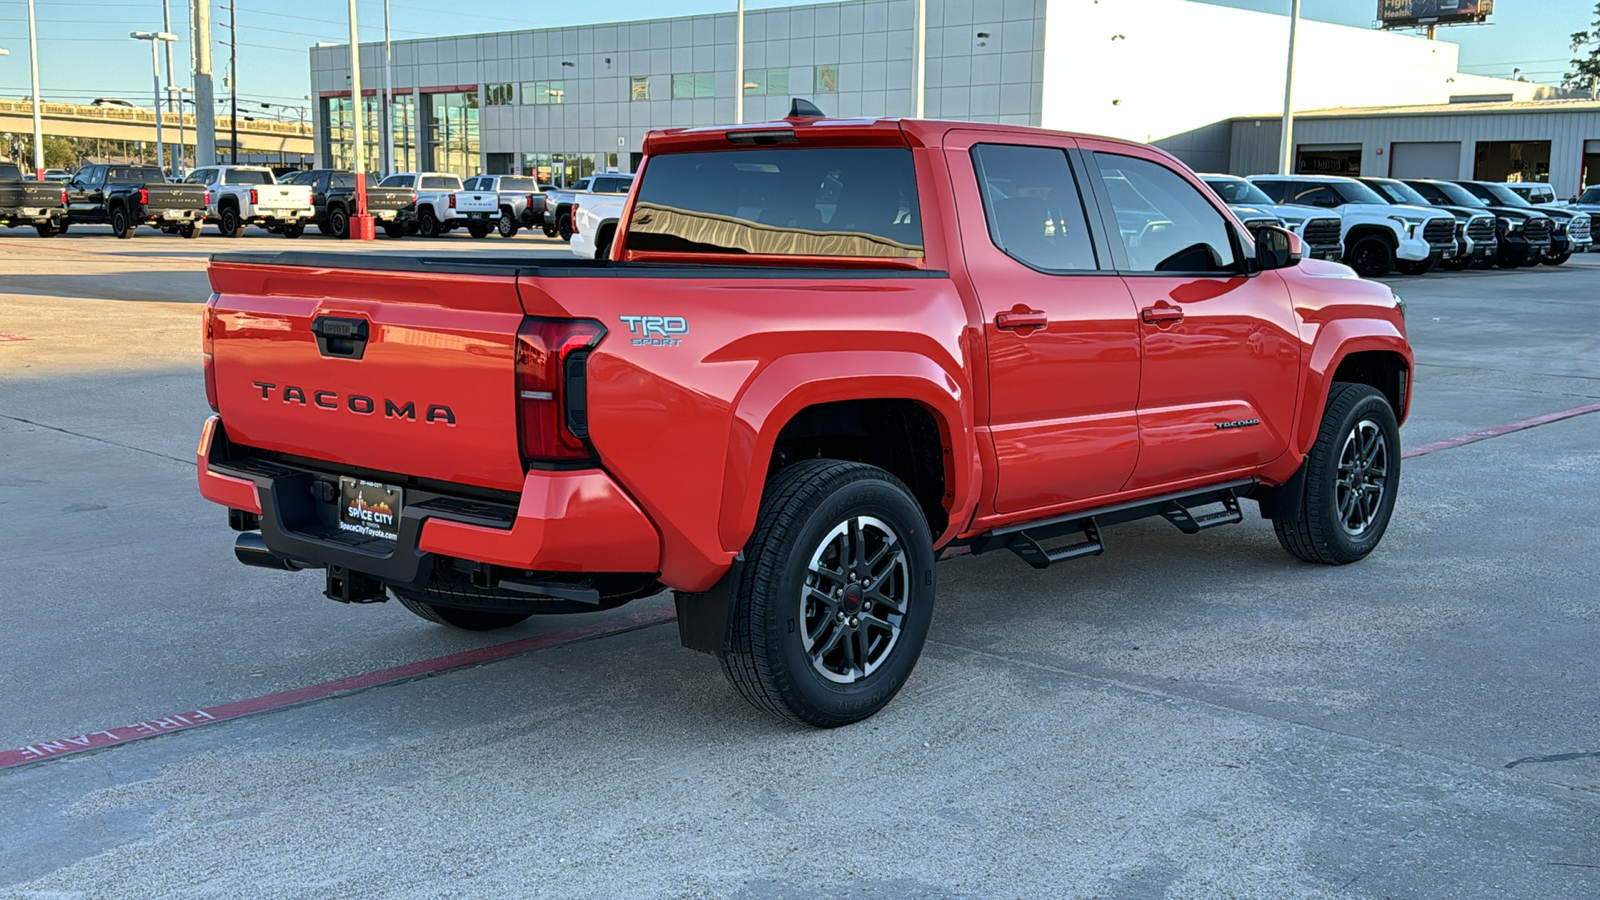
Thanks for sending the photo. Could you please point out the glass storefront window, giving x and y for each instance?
(766, 81)
(641, 87)
(689, 85)
(340, 135)
(497, 95)
(827, 79)
(403, 119)
(542, 93)
(453, 133)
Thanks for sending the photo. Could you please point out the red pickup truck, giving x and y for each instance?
(823, 354)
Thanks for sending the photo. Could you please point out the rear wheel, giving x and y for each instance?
(229, 223)
(294, 229)
(46, 229)
(478, 231)
(508, 225)
(427, 223)
(394, 230)
(834, 600)
(1351, 478)
(549, 230)
(339, 223)
(564, 226)
(1371, 256)
(122, 224)
(189, 230)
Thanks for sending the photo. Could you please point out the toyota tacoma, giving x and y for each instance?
(822, 355)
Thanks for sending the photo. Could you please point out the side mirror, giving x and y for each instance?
(1278, 248)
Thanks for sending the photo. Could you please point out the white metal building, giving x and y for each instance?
(564, 101)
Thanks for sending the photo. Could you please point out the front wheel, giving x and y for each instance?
(339, 223)
(1371, 257)
(1418, 267)
(1557, 259)
(1351, 478)
(835, 597)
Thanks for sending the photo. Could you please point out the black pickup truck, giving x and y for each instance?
(333, 195)
(126, 196)
(24, 201)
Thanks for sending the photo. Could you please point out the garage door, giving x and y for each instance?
(1441, 159)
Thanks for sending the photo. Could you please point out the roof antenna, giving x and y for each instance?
(804, 109)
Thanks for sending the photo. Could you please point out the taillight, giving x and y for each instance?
(574, 217)
(144, 197)
(208, 343)
(253, 200)
(63, 196)
(452, 201)
(208, 196)
(552, 388)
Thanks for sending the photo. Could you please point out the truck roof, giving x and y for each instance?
(882, 132)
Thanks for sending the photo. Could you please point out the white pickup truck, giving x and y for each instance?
(436, 200)
(1378, 236)
(250, 195)
(476, 207)
(594, 223)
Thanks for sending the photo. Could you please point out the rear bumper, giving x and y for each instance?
(167, 215)
(564, 521)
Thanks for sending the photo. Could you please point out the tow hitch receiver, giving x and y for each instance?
(346, 586)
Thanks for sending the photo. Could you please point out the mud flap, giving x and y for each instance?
(703, 618)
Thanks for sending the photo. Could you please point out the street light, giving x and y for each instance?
(155, 38)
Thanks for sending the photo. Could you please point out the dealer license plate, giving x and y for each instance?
(479, 215)
(369, 508)
(174, 213)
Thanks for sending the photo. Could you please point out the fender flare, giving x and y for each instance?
(1334, 343)
(771, 399)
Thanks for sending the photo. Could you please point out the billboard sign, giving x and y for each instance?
(1411, 13)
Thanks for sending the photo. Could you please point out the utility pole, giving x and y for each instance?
(38, 123)
(920, 75)
(738, 67)
(205, 106)
(361, 225)
(1286, 149)
(384, 108)
(166, 28)
(233, 82)
(156, 38)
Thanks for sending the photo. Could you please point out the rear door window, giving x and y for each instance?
(1035, 212)
(822, 201)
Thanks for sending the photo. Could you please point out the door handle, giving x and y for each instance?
(1161, 315)
(1021, 318)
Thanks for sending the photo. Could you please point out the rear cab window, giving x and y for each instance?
(441, 183)
(818, 202)
(398, 181)
(247, 176)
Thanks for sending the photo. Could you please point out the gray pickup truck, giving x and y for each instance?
(558, 203)
(24, 201)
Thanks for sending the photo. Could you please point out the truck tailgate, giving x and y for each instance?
(175, 196)
(283, 196)
(430, 393)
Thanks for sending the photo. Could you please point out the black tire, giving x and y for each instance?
(61, 227)
(1557, 259)
(508, 224)
(802, 509)
(428, 223)
(229, 223)
(549, 230)
(122, 225)
(479, 231)
(339, 223)
(1371, 256)
(46, 229)
(1320, 533)
(293, 229)
(564, 226)
(602, 244)
(466, 619)
(1417, 267)
(189, 230)
(394, 230)
(322, 225)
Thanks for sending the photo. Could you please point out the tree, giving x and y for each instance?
(1585, 71)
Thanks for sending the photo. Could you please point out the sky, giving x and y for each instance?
(85, 51)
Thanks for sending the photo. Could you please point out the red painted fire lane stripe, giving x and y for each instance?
(97, 740)
(12, 337)
(1500, 430)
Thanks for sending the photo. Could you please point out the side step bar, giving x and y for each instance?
(1029, 539)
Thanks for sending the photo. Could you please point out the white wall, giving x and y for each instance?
(1152, 69)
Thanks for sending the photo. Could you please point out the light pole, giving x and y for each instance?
(180, 160)
(156, 38)
(385, 107)
(38, 123)
(361, 225)
(738, 67)
(1286, 149)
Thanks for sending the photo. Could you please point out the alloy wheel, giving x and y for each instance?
(854, 599)
(1362, 477)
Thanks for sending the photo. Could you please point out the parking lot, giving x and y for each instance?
(1182, 717)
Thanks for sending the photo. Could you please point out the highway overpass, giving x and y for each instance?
(120, 123)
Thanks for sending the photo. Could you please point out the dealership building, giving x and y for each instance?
(564, 102)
